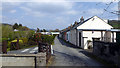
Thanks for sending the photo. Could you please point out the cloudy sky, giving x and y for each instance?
(53, 15)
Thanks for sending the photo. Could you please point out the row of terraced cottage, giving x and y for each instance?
(82, 33)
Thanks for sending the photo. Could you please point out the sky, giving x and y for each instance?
(53, 15)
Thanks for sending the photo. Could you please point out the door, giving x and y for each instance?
(79, 39)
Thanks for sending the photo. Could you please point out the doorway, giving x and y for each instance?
(79, 39)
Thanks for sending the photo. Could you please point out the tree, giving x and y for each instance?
(15, 26)
(38, 29)
(57, 30)
(41, 30)
(7, 31)
(44, 30)
(20, 25)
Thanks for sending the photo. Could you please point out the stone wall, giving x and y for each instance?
(31, 60)
(107, 51)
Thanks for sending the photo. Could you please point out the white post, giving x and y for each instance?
(51, 49)
(112, 36)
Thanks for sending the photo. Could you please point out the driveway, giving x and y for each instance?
(67, 55)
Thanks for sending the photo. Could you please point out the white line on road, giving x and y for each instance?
(25, 50)
(36, 48)
(31, 51)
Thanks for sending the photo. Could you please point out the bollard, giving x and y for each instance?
(4, 47)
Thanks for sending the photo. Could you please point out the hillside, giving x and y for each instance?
(114, 23)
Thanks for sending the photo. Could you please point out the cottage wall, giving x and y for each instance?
(88, 35)
(68, 36)
(73, 36)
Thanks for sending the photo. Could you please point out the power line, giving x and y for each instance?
(114, 12)
(106, 7)
(109, 16)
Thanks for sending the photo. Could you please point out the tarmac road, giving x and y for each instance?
(65, 55)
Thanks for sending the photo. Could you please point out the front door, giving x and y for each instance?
(79, 39)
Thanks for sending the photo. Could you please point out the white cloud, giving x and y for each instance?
(29, 11)
(60, 0)
(45, 8)
(26, 9)
(72, 12)
(13, 11)
(115, 7)
(94, 11)
(50, 6)
(0, 8)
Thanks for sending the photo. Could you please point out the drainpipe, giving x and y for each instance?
(76, 37)
(101, 35)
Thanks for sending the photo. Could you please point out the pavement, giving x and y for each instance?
(69, 55)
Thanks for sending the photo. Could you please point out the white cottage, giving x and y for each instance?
(91, 29)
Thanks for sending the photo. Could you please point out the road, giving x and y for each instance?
(66, 55)
(24, 51)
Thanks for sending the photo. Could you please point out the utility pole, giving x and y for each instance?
(119, 10)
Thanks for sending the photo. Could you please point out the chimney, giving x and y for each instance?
(82, 19)
(71, 25)
(75, 23)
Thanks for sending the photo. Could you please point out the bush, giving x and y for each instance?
(25, 40)
(48, 39)
(31, 42)
(37, 37)
(9, 44)
(20, 41)
(6, 30)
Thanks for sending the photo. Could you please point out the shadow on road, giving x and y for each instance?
(67, 44)
(68, 59)
(85, 53)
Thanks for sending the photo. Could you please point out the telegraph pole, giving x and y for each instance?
(119, 10)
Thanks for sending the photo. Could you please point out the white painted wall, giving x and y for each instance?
(114, 37)
(96, 34)
(95, 23)
(73, 36)
(90, 35)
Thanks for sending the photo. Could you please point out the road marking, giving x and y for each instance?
(36, 48)
(25, 50)
(31, 51)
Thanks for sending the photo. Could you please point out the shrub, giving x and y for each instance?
(47, 39)
(25, 40)
(9, 44)
(20, 41)
(31, 42)
(37, 37)
(6, 30)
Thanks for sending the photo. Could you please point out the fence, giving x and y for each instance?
(44, 47)
(107, 51)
